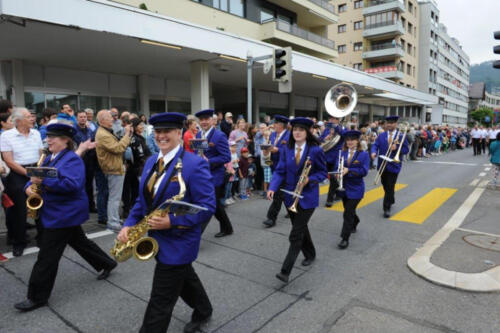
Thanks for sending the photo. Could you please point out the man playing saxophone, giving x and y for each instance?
(178, 237)
(389, 143)
(301, 149)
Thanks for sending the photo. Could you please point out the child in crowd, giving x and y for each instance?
(235, 164)
(229, 180)
(252, 169)
(266, 169)
(243, 172)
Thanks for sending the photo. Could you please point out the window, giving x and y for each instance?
(266, 15)
(358, 4)
(56, 101)
(236, 7)
(409, 48)
(342, 49)
(410, 28)
(410, 7)
(358, 46)
(342, 28)
(342, 8)
(358, 25)
(358, 66)
(408, 69)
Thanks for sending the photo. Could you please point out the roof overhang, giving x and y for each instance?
(107, 17)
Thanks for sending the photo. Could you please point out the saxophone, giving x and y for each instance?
(300, 184)
(34, 202)
(138, 245)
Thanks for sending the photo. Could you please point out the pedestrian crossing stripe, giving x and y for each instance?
(370, 197)
(418, 211)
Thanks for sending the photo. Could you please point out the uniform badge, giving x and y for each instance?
(283, 142)
(355, 162)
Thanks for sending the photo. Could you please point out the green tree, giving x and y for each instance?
(480, 115)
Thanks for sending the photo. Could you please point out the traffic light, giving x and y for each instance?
(282, 65)
(496, 49)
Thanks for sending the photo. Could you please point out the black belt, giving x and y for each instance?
(29, 165)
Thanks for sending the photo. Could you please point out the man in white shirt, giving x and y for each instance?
(484, 138)
(476, 140)
(21, 147)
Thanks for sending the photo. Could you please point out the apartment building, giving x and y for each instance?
(301, 24)
(379, 37)
(492, 100)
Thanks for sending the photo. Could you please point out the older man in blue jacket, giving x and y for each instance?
(217, 155)
(178, 236)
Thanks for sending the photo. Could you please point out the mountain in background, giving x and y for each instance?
(484, 72)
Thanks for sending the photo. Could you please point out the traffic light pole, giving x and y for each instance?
(250, 61)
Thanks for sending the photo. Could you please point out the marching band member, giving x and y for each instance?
(356, 166)
(301, 145)
(217, 155)
(65, 208)
(334, 127)
(390, 138)
(278, 139)
(178, 236)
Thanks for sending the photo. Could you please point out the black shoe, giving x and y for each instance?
(328, 204)
(282, 277)
(194, 326)
(353, 231)
(269, 223)
(343, 244)
(29, 305)
(387, 213)
(222, 234)
(105, 272)
(18, 251)
(103, 222)
(307, 262)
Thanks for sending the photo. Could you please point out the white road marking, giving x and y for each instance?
(482, 174)
(487, 169)
(448, 163)
(477, 232)
(484, 183)
(35, 249)
(474, 182)
(489, 164)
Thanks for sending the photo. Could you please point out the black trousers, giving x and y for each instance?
(274, 209)
(388, 180)
(351, 219)
(52, 245)
(259, 174)
(170, 282)
(334, 184)
(483, 145)
(476, 145)
(130, 189)
(90, 165)
(16, 215)
(220, 212)
(300, 239)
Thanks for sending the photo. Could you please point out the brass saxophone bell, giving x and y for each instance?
(145, 248)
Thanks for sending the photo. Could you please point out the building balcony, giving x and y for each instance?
(310, 13)
(283, 33)
(377, 6)
(386, 72)
(383, 29)
(383, 51)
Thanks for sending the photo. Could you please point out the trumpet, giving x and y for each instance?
(386, 158)
(34, 202)
(300, 185)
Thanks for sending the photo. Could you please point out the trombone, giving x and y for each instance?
(386, 158)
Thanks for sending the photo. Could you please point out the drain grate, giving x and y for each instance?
(486, 242)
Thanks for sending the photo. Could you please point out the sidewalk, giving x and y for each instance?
(465, 253)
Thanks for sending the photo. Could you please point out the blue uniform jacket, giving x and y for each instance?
(381, 145)
(353, 182)
(275, 157)
(218, 154)
(332, 156)
(178, 246)
(65, 202)
(289, 172)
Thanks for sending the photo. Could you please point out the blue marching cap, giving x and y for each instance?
(281, 119)
(303, 122)
(205, 113)
(167, 120)
(352, 134)
(61, 128)
(392, 118)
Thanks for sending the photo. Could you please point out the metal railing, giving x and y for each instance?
(310, 36)
(381, 2)
(380, 24)
(383, 47)
(325, 4)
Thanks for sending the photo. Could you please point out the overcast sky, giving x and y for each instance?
(472, 23)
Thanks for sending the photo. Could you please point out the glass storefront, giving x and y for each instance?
(122, 104)
(95, 103)
(57, 101)
(157, 106)
(35, 101)
(179, 106)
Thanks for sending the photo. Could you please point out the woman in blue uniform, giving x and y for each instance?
(356, 166)
(301, 146)
(65, 208)
(178, 237)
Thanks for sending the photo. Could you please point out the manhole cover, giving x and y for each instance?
(491, 243)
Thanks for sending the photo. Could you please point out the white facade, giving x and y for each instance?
(492, 101)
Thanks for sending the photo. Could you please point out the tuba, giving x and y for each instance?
(340, 101)
(138, 245)
(34, 202)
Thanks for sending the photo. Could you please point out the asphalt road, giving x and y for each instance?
(366, 288)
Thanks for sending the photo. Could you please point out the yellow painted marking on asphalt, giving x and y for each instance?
(370, 197)
(418, 211)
